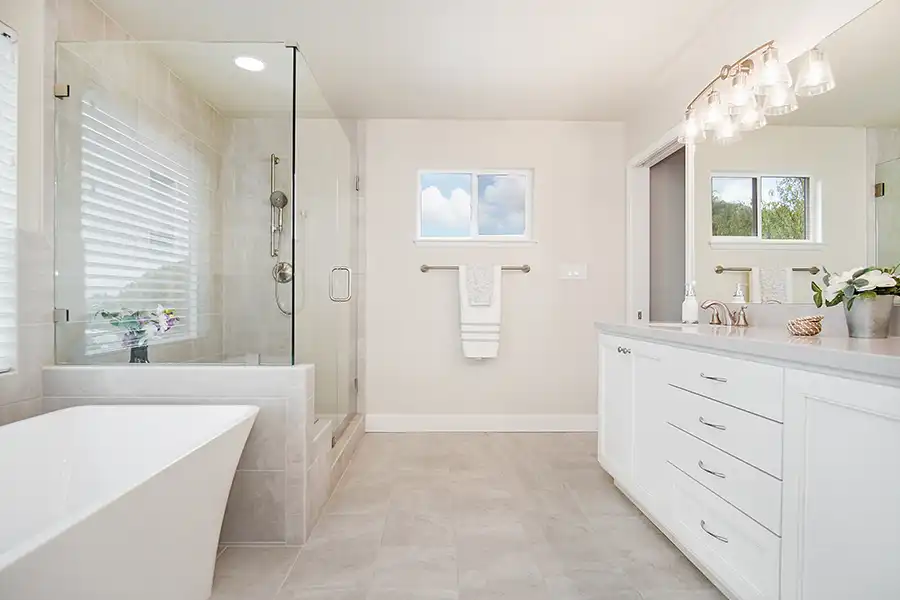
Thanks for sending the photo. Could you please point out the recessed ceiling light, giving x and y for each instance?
(248, 63)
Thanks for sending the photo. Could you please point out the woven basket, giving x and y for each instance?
(806, 326)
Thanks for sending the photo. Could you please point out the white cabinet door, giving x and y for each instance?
(616, 437)
(650, 395)
(841, 512)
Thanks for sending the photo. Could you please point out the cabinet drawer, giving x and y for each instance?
(750, 438)
(743, 554)
(753, 492)
(751, 386)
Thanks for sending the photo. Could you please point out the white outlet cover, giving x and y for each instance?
(573, 271)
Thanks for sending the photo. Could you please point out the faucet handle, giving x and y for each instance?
(714, 318)
(741, 320)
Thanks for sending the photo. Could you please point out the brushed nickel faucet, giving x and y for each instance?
(732, 318)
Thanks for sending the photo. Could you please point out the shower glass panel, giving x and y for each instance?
(174, 203)
(327, 246)
(887, 213)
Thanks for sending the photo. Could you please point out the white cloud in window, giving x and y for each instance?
(501, 205)
(445, 216)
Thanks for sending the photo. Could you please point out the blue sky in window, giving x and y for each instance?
(446, 204)
(734, 190)
(501, 204)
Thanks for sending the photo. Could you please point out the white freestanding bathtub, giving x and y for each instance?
(116, 502)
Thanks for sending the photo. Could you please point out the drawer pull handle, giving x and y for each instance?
(713, 425)
(716, 473)
(721, 538)
(710, 378)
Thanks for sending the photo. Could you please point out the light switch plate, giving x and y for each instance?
(573, 271)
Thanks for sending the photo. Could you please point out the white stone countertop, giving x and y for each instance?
(868, 359)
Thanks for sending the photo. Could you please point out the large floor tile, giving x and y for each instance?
(471, 517)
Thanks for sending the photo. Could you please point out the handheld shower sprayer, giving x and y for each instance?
(282, 272)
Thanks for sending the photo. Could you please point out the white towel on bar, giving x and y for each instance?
(770, 285)
(480, 284)
(479, 324)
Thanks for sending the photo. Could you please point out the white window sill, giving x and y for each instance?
(766, 245)
(474, 243)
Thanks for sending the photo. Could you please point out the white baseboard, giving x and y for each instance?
(383, 423)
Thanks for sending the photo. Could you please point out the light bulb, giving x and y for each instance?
(248, 63)
(780, 100)
(692, 130)
(727, 131)
(741, 93)
(715, 111)
(751, 117)
(815, 75)
(773, 72)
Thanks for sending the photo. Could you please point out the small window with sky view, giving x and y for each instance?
(474, 205)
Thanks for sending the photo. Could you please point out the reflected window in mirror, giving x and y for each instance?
(760, 207)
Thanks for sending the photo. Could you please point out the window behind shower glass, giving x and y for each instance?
(142, 216)
(8, 198)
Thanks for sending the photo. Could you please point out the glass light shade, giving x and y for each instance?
(727, 131)
(780, 100)
(715, 111)
(692, 129)
(751, 116)
(773, 72)
(741, 93)
(815, 75)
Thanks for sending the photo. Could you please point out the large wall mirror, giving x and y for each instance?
(800, 193)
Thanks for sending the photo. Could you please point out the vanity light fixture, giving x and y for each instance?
(758, 85)
(248, 63)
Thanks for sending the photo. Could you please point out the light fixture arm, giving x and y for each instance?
(727, 70)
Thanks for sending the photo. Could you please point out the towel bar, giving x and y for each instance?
(426, 268)
(720, 269)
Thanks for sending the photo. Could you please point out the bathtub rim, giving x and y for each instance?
(35, 541)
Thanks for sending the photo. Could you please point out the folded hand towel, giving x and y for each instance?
(480, 318)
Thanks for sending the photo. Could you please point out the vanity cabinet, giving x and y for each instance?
(841, 527)
(778, 483)
(616, 439)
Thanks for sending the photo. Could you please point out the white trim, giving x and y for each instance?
(637, 221)
(474, 237)
(393, 423)
(739, 243)
(469, 243)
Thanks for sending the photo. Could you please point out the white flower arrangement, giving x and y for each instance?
(864, 282)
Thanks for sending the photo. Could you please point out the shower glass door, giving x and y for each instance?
(173, 183)
(326, 247)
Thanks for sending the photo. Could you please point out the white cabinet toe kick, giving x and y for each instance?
(779, 482)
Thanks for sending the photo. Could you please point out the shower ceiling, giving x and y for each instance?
(209, 69)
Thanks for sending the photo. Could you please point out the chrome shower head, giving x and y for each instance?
(278, 199)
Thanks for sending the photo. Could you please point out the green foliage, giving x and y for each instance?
(784, 211)
(730, 219)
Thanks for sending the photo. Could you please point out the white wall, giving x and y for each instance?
(546, 374)
(835, 159)
(739, 27)
(20, 391)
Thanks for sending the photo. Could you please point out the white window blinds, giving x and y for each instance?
(8, 199)
(141, 206)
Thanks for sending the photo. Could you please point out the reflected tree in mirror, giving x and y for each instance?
(784, 207)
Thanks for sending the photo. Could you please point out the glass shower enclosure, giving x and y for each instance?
(205, 212)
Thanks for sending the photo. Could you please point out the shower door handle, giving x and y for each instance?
(349, 285)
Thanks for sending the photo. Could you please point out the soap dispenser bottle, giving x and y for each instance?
(690, 310)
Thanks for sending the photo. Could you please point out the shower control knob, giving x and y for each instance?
(283, 272)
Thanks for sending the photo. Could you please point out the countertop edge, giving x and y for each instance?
(799, 353)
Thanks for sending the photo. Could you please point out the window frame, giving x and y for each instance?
(11, 367)
(474, 237)
(813, 203)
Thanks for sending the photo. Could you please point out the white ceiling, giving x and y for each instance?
(210, 70)
(474, 59)
(865, 58)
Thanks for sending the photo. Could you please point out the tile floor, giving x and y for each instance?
(470, 517)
